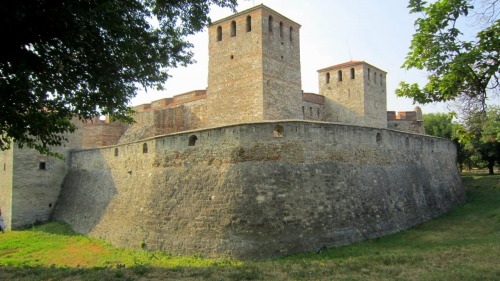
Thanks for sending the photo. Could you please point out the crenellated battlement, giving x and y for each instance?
(171, 102)
(409, 121)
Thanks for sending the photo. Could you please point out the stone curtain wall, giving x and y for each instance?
(35, 181)
(259, 190)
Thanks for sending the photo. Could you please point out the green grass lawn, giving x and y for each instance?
(461, 245)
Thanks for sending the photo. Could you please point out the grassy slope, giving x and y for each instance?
(461, 245)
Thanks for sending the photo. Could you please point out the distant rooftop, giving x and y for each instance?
(347, 64)
(261, 6)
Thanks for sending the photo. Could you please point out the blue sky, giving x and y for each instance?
(332, 32)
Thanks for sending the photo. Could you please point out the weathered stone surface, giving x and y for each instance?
(242, 192)
(249, 190)
(28, 191)
(355, 93)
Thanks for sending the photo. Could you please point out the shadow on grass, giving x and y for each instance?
(460, 245)
(481, 181)
(139, 272)
(52, 227)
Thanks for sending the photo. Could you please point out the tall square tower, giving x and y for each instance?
(355, 93)
(254, 68)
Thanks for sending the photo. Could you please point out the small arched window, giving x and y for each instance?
(249, 23)
(281, 29)
(219, 33)
(270, 23)
(327, 77)
(192, 140)
(116, 151)
(368, 74)
(278, 131)
(352, 73)
(233, 28)
(145, 148)
(291, 32)
(378, 138)
(340, 75)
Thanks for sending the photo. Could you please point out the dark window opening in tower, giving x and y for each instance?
(192, 140)
(380, 79)
(281, 29)
(327, 77)
(270, 23)
(219, 34)
(368, 74)
(278, 131)
(145, 148)
(291, 32)
(116, 151)
(233, 28)
(249, 23)
(352, 73)
(375, 77)
(340, 75)
(42, 166)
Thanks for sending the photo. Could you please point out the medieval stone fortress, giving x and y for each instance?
(251, 167)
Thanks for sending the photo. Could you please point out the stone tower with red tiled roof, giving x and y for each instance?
(355, 93)
(254, 68)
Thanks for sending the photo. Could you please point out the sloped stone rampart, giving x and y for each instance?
(260, 190)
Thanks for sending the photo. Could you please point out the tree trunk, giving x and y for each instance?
(491, 167)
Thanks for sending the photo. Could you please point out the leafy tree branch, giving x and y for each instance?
(78, 59)
(457, 67)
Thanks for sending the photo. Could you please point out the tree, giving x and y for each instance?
(442, 125)
(86, 58)
(457, 66)
(488, 142)
(439, 125)
(479, 139)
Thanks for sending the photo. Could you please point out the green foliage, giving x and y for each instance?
(484, 145)
(82, 59)
(456, 66)
(461, 245)
(490, 131)
(439, 125)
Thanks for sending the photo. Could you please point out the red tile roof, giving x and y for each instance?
(347, 64)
